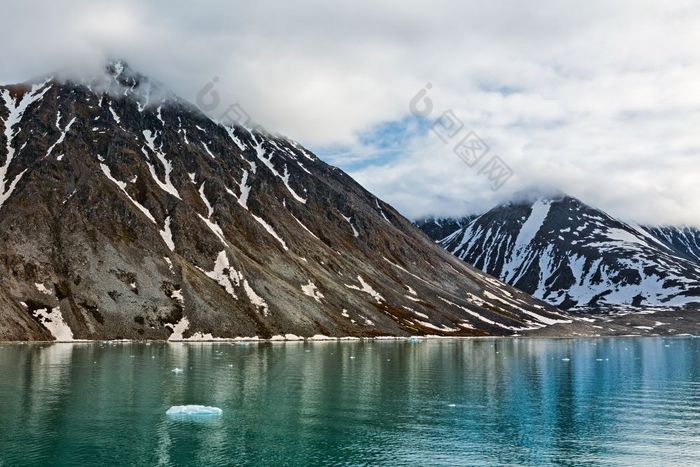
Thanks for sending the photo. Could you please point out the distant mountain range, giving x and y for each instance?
(127, 213)
(576, 257)
(683, 240)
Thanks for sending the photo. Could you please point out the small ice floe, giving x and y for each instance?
(321, 337)
(193, 411)
(452, 405)
(177, 371)
(414, 340)
(565, 359)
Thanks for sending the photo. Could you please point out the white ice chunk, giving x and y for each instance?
(193, 411)
(321, 337)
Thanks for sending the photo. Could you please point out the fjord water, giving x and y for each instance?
(451, 402)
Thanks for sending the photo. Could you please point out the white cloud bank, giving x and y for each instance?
(598, 99)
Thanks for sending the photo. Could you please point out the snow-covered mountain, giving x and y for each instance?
(440, 227)
(574, 256)
(127, 213)
(684, 240)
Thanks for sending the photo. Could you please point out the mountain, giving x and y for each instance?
(684, 240)
(127, 213)
(573, 256)
(440, 227)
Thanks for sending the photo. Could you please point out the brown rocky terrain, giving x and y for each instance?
(126, 216)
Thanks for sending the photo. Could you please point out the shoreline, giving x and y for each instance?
(347, 339)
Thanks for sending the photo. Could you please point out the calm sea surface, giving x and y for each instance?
(447, 402)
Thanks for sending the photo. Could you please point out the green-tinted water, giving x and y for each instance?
(506, 401)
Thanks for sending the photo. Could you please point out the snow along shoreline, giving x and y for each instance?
(326, 339)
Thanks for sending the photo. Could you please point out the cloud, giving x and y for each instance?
(600, 100)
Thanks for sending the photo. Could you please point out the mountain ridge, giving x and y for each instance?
(574, 256)
(128, 215)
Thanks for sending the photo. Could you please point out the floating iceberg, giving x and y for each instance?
(177, 371)
(414, 340)
(193, 411)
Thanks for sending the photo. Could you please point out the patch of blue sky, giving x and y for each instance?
(378, 145)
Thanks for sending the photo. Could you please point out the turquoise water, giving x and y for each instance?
(449, 402)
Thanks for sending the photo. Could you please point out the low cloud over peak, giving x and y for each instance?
(600, 101)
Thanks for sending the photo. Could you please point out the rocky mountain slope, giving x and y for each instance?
(126, 215)
(576, 257)
(683, 240)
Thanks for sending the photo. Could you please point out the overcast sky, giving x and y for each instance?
(599, 99)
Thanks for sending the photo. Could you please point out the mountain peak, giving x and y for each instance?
(123, 217)
(117, 66)
(570, 254)
(533, 194)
